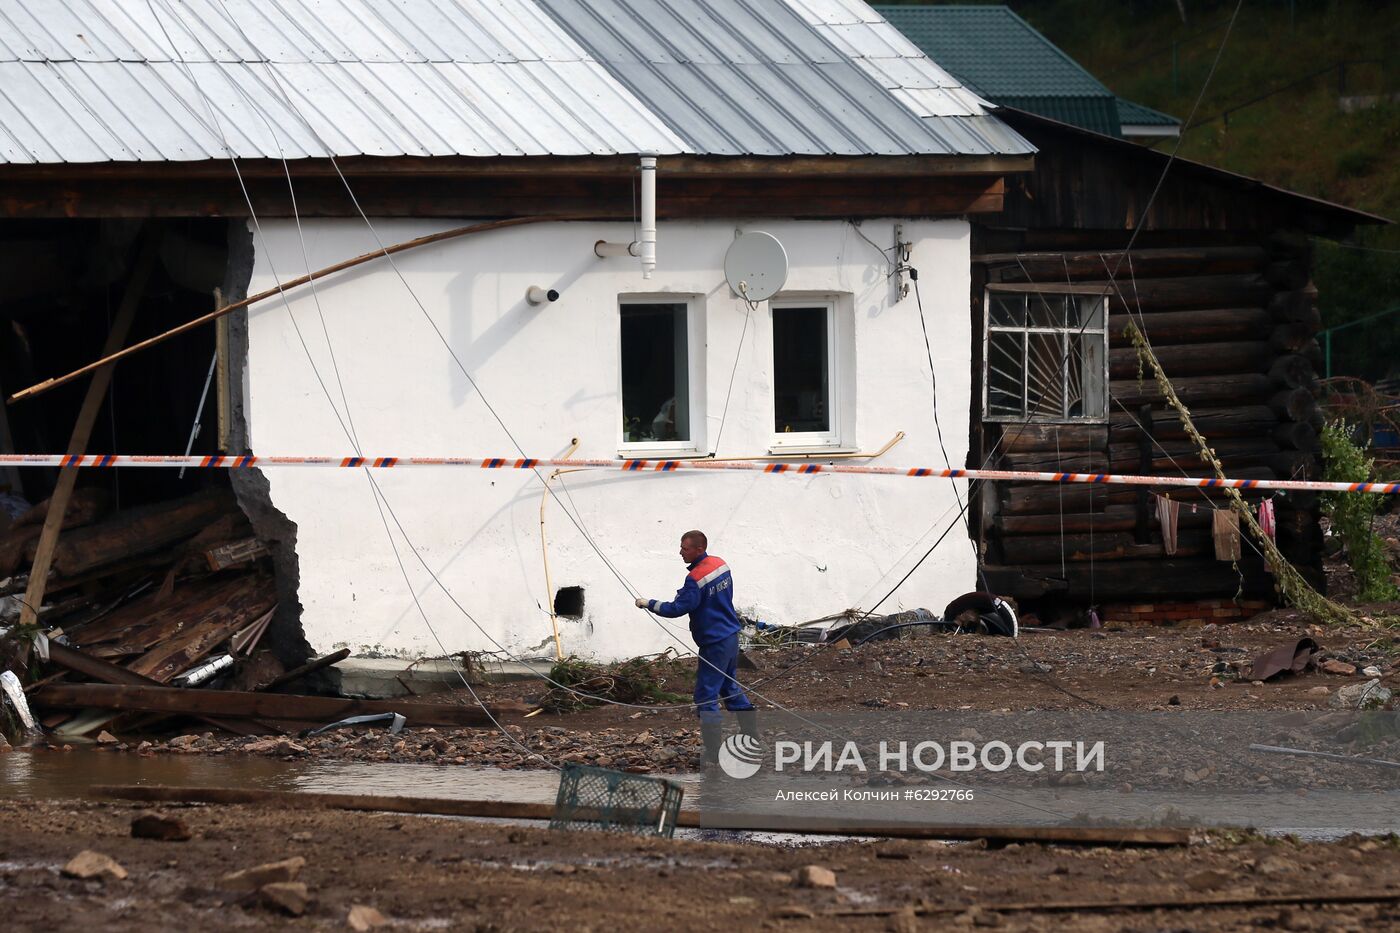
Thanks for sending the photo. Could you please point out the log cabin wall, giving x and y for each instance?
(1221, 276)
(1233, 326)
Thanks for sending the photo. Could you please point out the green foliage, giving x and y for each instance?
(636, 680)
(1352, 515)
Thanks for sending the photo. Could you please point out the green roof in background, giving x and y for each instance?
(1002, 57)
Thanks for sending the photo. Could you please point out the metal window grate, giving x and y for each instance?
(612, 801)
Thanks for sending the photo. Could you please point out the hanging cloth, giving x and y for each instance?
(1267, 521)
(1167, 512)
(1225, 529)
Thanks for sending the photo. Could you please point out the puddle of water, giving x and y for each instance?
(48, 774)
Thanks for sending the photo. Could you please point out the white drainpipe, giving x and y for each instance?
(648, 235)
(646, 246)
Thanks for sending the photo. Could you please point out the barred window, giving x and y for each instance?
(1046, 356)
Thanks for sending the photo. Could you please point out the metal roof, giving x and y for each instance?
(111, 80)
(1004, 58)
(136, 80)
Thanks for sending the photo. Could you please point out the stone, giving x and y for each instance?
(1371, 671)
(814, 876)
(106, 738)
(1370, 695)
(88, 864)
(183, 741)
(1333, 666)
(251, 879)
(793, 912)
(1319, 691)
(4, 744)
(363, 917)
(163, 828)
(1274, 865)
(278, 746)
(290, 897)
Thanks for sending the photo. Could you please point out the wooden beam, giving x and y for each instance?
(1109, 906)
(310, 667)
(505, 809)
(82, 429)
(534, 167)
(109, 673)
(274, 706)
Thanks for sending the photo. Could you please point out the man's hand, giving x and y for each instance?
(642, 603)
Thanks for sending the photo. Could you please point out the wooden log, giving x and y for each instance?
(1182, 294)
(1293, 338)
(1168, 578)
(139, 531)
(1066, 438)
(507, 809)
(1287, 274)
(21, 540)
(109, 673)
(1108, 546)
(82, 428)
(1235, 388)
(1044, 498)
(1296, 435)
(310, 667)
(1190, 360)
(1293, 371)
(1206, 326)
(1293, 404)
(1243, 421)
(274, 706)
(1051, 267)
(1124, 458)
(1113, 517)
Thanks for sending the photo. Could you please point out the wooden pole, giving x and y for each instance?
(507, 809)
(82, 430)
(310, 667)
(112, 355)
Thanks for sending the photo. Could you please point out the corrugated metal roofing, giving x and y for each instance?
(135, 80)
(1130, 113)
(887, 56)
(750, 77)
(1004, 58)
(110, 80)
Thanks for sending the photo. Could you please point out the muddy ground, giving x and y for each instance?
(1149, 668)
(424, 873)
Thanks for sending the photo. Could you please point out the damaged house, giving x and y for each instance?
(174, 158)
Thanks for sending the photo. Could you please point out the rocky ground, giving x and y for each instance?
(252, 867)
(1137, 669)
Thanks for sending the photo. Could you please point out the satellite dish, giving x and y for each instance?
(756, 265)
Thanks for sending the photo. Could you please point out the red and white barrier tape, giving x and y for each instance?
(668, 466)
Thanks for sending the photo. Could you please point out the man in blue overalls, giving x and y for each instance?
(708, 596)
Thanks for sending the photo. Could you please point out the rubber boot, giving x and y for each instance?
(748, 723)
(712, 733)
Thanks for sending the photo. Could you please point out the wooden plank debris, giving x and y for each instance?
(273, 706)
(506, 809)
(310, 667)
(236, 553)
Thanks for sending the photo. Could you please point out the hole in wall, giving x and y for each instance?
(568, 602)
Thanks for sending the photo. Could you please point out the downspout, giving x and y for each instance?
(645, 246)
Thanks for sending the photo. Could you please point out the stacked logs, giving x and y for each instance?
(1234, 328)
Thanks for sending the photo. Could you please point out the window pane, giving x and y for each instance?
(1086, 312)
(1045, 310)
(1005, 374)
(801, 371)
(1006, 310)
(1086, 377)
(1045, 389)
(655, 373)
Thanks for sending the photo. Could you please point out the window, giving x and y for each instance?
(1046, 357)
(656, 398)
(806, 407)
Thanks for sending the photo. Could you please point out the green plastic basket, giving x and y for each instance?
(596, 798)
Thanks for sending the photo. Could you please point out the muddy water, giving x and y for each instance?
(52, 774)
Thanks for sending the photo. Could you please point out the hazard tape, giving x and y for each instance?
(668, 466)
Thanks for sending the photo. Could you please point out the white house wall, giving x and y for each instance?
(799, 547)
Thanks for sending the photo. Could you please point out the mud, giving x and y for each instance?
(439, 874)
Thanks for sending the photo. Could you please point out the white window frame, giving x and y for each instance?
(838, 348)
(1030, 294)
(695, 375)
